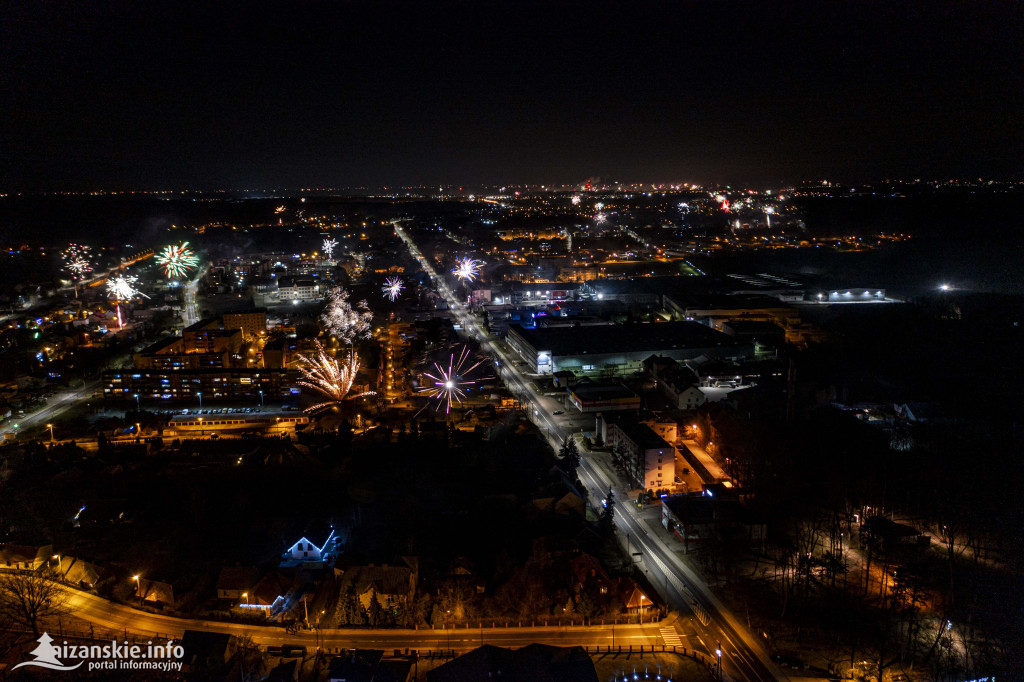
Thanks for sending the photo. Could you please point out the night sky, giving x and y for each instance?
(211, 95)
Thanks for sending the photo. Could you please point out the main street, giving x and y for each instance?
(743, 656)
(119, 617)
(53, 408)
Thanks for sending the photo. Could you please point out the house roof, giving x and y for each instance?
(632, 596)
(156, 590)
(19, 554)
(703, 509)
(635, 337)
(587, 567)
(79, 571)
(269, 588)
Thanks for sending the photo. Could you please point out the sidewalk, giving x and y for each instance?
(698, 456)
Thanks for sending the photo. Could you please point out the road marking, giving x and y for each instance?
(671, 637)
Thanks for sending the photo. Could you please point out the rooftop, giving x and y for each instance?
(637, 337)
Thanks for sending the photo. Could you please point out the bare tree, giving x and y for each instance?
(28, 598)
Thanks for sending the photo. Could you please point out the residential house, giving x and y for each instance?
(307, 555)
(632, 598)
(155, 592)
(586, 569)
(25, 557)
(79, 572)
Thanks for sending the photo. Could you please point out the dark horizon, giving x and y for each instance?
(185, 95)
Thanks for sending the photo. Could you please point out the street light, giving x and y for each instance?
(50, 426)
(200, 394)
(200, 426)
(261, 398)
(245, 596)
(138, 588)
(60, 566)
(718, 652)
(137, 407)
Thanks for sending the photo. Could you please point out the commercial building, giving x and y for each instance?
(592, 398)
(616, 350)
(185, 385)
(649, 460)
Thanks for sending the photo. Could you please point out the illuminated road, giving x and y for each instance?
(56, 406)
(118, 617)
(743, 656)
(190, 308)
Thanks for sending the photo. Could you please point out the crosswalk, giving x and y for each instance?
(671, 637)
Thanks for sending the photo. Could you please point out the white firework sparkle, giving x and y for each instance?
(467, 269)
(76, 259)
(329, 245)
(449, 384)
(344, 321)
(329, 376)
(393, 288)
(122, 288)
(600, 218)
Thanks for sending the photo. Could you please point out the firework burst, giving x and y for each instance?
(76, 260)
(344, 321)
(449, 383)
(122, 288)
(329, 376)
(393, 288)
(467, 269)
(177, 260)
(329, 246)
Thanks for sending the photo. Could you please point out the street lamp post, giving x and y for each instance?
(138, 408)
(261, 398)
(245, 596)
(718, 652)
(50, 426)
(60, 566)
(138, 588)
(200, 427)
(200, 394)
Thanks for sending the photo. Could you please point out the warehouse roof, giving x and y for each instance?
(622, 338)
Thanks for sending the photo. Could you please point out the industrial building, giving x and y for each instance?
(616, 350)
